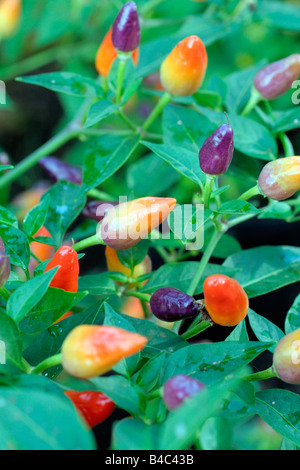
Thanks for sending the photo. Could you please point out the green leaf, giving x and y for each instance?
(133, 434)
(162, 176)
(126, 366)
(16, 245)
(239, 333)
(286, 120)
(208, 98)
(10, 346)
(66, 202)
(284, 16)
(23, 299)
(97, 284)
(264, 329)
(126, 395)
(276, 210)
(66, 82)
(211, 362)
(43, 422)
(280, 410)
(36, 217)
(185, 127)
(54, 304)
(292, 320)
(104, 157)
(99, 111)
(5, 167)
(265, 268)
(180, 275)
(216, 434)
(135, 255)
(237, 207)
(7, 217)
(182, 160)
(149, 375)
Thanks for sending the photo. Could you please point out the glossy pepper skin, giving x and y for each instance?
(107, 54)
(280, 179)
(59, 170)
(286, 358)
(184, 69)
(216, 153)
(10, 11)
(129, 222)
(66, 277)
(177, 389)
(275, 79)
(4, 265)
(170, 304)
(126, 33)
(114, 264)
(92, 350)
(93, 406)
(225, 300)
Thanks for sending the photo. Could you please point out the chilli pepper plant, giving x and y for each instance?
(149, 225)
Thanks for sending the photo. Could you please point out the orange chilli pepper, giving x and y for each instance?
(92, 350)
(107, 54)
(10, 11)
(280, 179)
(184, 69)
(66, 277)
(225, 300)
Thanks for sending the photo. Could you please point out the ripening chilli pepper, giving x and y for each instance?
(275, 79)
(286, 358)
(66, 277)
(280, 179)
(216, 153)
(129, 222)
(114, 264)
(180, 387)
(10, 11)
(225, 300)
(93, 406)
(170, 304)
(96, 210)
(184, 69)
(4, 265)
(107, 54)
(92, 350)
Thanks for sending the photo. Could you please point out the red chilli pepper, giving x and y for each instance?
(66, 277)
(94, 407)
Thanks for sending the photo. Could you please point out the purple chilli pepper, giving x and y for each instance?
(126, 33)
(275, 79)
(170, 304)
(4, 265)
(59, 170)
(179, 388)
(96, 210)
(216, 153)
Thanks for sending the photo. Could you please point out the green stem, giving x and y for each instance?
(207, 190)
(262, 375)
(100, 195)
(250, 193)
(286, 144)
(203, 325)
(123, 58)
(87, 242)
(164, 100)
(204, 260)
(53, 144)
(139, 295)
(5, 294)
(47, 363)
(255, 98)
